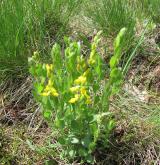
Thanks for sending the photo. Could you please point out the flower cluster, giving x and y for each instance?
(49, 90)
(81, 64)
(80, 90)
(92, 58)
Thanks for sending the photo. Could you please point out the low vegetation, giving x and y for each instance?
(79, 82)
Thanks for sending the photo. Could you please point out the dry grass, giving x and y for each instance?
(134, 141)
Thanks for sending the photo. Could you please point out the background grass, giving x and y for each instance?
(149, 9)
(111, 16)
(29, 25)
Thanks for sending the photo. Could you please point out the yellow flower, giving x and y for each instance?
(45, 93)
(49, 90)
(49, 85)
(80, 80)
(78, 67)
(86, 72)
(83, 91)
(50, 82)
(54, 92)
(81, 64)
(49, 68)
(91, 60)
(75, 89)
(74, 99)
(84, 65)
(80, 89)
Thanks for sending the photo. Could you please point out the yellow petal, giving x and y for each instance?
(80, 80)
(86, 72)
(74, 89)
(83, 91)
(45, 93)
(78, 67)
(49, 85)
(74, 99)
(91, 61)
(49, 68)
(77, 96)
(88, 101)
(54, 92)
(84, 65)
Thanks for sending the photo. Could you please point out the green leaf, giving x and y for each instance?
(62, 140)
(39, 87)
(47, 114)
(32, 70)
(44, 100)
(96, 100)
(90, 159)
(82, 152)
(56, 57)
(111, 124)
(113, 61)
(119, 38)
(60, 123)
(115, 90)
(86, 141)
(72, 153)
(116, 73)
(75, 125)
(74, 140)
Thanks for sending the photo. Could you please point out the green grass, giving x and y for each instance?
(112, 15)
(149, 9)
(29, 25)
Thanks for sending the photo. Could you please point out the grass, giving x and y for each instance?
(29, 25)
(149, 9)
(111, 16)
